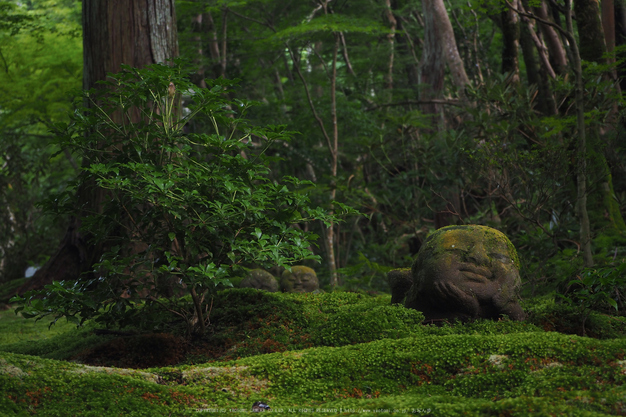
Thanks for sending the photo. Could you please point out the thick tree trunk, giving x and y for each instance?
(608, 24)
(435, 12)
(439, 48)
(432, 64)
(132, 32)
(591, 36)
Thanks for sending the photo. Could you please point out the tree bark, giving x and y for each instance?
(581, 171)
(608, 24)
(593, 49)
(132, 32)
(390, 40)
(510, 40)
(439, 17)
(620, 39)
(528, 52)
(537, 73)
(558, 56)
(196, 28)
(432, 63)
(214, 45)
(334, 159)
(591, 36)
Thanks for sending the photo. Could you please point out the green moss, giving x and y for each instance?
(17, 331)
(345, 351)
(493, 238)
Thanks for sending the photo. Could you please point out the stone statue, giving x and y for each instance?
(261, 280)
(300, 279)
(400, 280)
(466, 272)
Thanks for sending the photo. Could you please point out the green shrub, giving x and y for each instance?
(191, 206)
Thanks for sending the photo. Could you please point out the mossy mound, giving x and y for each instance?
(516, 374)
(324, 354)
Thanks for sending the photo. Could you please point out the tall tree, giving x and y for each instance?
(115, 32)
(593, 48)
(510, 40)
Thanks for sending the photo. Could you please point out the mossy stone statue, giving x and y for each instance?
(299, 279)
(400, 280)
(466, 272)
(261, 280)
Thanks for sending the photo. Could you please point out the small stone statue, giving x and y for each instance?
(300, 279)
(261, 280)
(466, 272)
(400, 280)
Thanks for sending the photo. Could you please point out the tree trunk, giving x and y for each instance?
(581, 171)
(537, 73)
(334, 155)
(591, 36)
(510, 40)
(620, 39)
(593, 49)
(405, 48)
(132, 32)
(608, 24)
(528, 52)
(214, 45)
(440, 47)
(390, 40)
(196, 28)
(558, 56)
(432, 62)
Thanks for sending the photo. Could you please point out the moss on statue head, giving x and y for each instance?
(493, 237)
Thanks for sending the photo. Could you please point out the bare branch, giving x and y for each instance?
(344, 52)
(319, 120)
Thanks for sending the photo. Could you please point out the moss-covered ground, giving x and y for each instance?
(319, 354)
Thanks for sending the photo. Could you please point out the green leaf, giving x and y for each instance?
(332, 23)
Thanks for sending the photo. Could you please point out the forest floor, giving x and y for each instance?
(319, 354)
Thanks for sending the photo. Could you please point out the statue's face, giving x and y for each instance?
(261, 280)
(299, 280)
(470, 267)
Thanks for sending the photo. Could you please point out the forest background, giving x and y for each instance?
(417, 114)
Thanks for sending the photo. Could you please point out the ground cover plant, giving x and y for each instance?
(338, 353)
